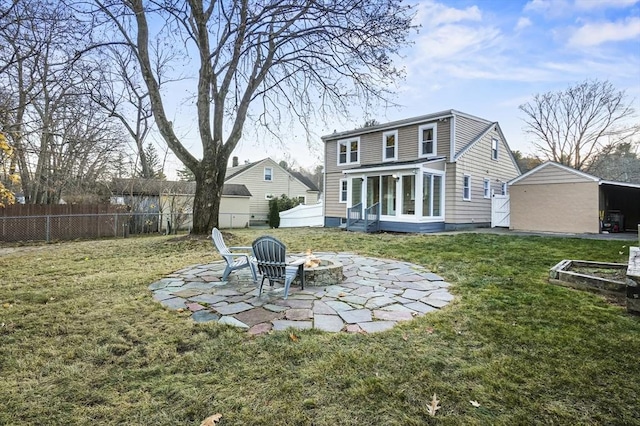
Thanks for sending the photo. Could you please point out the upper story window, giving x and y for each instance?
(427, 140)
(268, 174)
(343, 190)
(466, 188)
(494, 149)
(390, 145)
(349, 151)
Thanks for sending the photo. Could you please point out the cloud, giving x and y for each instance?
(522, 24)
(594, 34)
(433, 14)
(548, 7)
(604, 4)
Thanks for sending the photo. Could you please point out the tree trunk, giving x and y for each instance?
(206, 202)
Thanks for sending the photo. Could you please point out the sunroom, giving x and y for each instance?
(400, 197)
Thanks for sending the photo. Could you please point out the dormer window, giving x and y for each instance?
(427, 140)
(390, 146)
(349, 151)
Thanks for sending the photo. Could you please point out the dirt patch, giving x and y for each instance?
(615, 274)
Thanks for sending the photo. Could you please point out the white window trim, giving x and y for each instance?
(504, 188)
(393, 133)
(463, 188)
(304, 199)
(433, 126)
(497, 151)
(486, 188)
(347, 142)
(340, 200)
(264, 174)
(431, 218)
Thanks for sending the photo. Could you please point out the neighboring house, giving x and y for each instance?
(168, 205)
(556, 198)
(422, 174)
(266, 180)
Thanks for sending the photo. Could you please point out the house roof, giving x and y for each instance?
(401, 123)
(140, 186)
(302, 178)
(394, 164)
(574, 171)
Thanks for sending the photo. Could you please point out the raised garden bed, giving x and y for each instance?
(599, 277)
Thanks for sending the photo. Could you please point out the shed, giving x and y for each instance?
(556, 198)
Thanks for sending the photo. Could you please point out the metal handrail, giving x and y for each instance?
(372, 217)
(354, 214)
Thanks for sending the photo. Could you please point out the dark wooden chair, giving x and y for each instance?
(270, 256)
(235, 260)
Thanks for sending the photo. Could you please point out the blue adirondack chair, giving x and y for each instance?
(237, 260)
(270, 256)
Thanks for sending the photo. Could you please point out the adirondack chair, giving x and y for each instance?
(234, 260)
(270, 255)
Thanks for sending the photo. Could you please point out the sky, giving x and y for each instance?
(487, 57)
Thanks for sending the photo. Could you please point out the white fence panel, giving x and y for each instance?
(302, 215)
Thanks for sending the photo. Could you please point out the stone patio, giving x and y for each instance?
(374, 296)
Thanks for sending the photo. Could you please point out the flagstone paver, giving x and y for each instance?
(374, 295)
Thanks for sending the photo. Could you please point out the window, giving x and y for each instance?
(349, 151)
(494, 149)
(302, 199)
(268, 196)
(409, 194)
(388, 195)
(390, 146)
(487, 188)
(268, 174)
(343, 190)
(466, 188)
(373, 190)
(431, 195)
(504, 188)
(427, 140)
(356, 191)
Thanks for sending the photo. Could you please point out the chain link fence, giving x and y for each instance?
(100, 225)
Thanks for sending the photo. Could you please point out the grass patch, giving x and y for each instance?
(81, 341)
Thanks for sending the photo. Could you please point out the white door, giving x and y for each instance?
(500, 212)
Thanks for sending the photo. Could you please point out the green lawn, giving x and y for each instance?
(81, 341)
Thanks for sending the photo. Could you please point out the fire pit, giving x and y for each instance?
(321, 272)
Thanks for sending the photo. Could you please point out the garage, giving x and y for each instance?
(556, 198)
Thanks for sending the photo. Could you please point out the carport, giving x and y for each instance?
(556, 198)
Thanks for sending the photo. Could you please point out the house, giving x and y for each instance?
(161, 206)
(266, 179)
(423, 174)
(556, 198)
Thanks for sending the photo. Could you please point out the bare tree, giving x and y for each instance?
(271, 59)
(572, 126)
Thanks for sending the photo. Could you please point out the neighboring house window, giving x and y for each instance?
(268, 174)
(349, 151)
(390, 145)
(504, 188)
(466, 188)
(268, 196)
(302, 199)
(487, 188)
(494, 149)
(343, 190)
(427, 140)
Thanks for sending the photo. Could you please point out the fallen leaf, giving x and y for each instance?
(475, 403)
(433, 407)
(211, 420)
(180, 310)
(405, 337)
(6, 305)
(429, 330)
(342, 294)
(293, 337)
